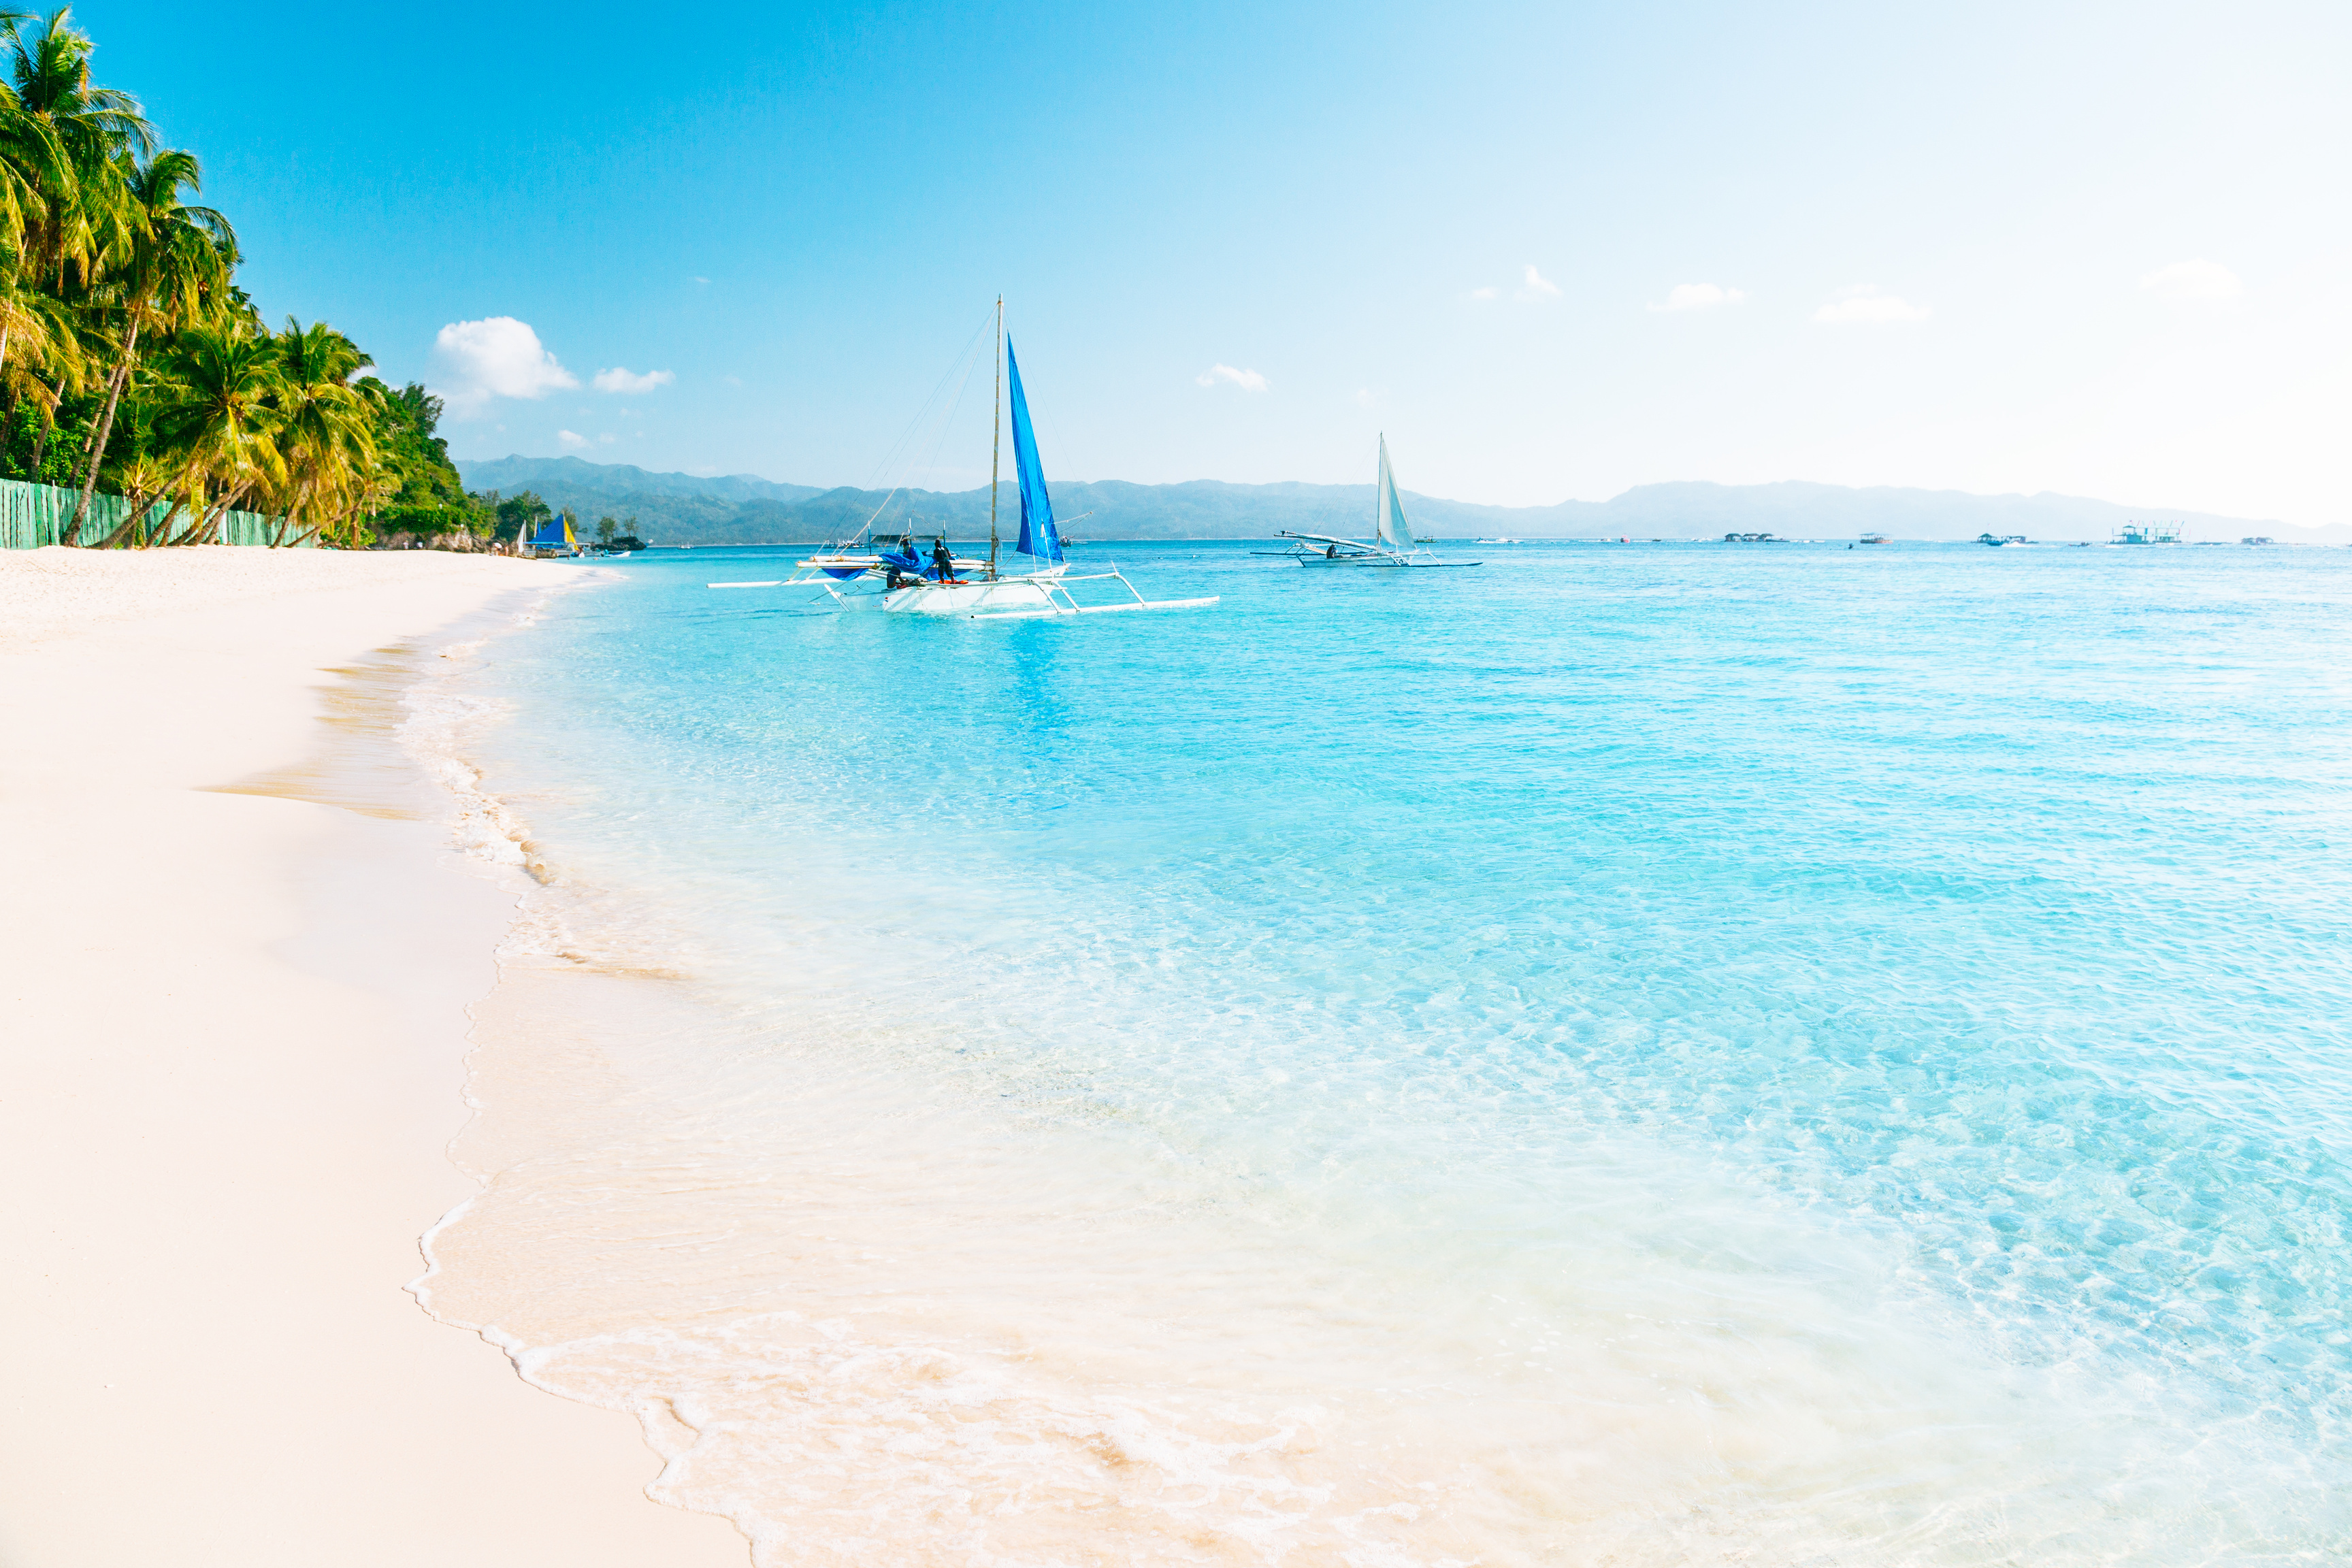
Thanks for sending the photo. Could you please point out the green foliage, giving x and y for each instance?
(130, 357)
(518, 513)
(414, 457)
(26, 435)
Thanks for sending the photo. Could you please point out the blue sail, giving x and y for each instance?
(1038, 537)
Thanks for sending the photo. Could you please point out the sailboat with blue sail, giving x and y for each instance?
(896, 575)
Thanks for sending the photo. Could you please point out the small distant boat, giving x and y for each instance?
(1876, 539)
(554, 540)
(1998, 540)
(1753, 539)
(1392, 541)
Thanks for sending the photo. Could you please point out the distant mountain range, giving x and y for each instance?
(742, 509)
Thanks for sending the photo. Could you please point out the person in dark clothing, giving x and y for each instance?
(943, 559)
(900, 565)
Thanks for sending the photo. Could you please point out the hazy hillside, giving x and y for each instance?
(742, 509)
(677, 509)
(538, 473)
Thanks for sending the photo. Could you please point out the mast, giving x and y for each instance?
(995, 434)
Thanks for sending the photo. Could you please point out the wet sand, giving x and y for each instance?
(233, 988)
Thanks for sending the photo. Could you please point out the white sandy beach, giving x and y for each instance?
(233, 1036)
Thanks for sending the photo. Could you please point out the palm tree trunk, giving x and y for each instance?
(134, 510)
(201, 506)
(105, 428)
(48, 425)
(163, 528)
(283, 526)
(163, 537)
(204, 530)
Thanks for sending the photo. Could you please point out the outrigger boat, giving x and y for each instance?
(553, 538)
(1392, 541)
(893, 574)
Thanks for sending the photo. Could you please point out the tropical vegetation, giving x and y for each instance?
(132, 364)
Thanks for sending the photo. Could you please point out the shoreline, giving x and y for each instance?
(239, 978)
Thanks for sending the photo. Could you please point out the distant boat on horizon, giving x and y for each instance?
(1392, 541)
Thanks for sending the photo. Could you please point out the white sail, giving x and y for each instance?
(1388, 515)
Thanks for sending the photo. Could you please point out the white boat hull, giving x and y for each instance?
(1402, 563)
(1006, 595)
(1007, 598)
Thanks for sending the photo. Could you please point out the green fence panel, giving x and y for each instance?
(35, 516)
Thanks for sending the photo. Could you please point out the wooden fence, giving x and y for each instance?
(32, 516)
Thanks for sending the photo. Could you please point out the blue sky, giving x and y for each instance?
(1553, 251)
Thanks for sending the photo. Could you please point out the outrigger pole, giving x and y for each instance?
(995, 434)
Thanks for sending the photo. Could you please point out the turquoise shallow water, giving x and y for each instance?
(1887, 1009)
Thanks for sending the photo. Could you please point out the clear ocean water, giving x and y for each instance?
(1643, 1054)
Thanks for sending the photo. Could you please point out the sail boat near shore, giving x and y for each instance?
(1392, 541)
(894, 574)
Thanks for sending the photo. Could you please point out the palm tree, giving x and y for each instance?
(37, 173)
(326, 425)
(178, 258)
(36, 329)
(222, 418)
(75, 141)
(147, 471)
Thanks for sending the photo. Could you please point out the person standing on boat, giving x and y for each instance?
(900, 562)
(943, 559)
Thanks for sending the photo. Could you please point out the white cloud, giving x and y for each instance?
(732, 380)
(619, 380)
(702, 279)
(574, 439)
(1864, 305)
(1481, 294)
(1699, 297)
(2184, 282)
(607, 439)
(1539, 287)
(1364, 397)
(1247, 380)
(495, 357)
